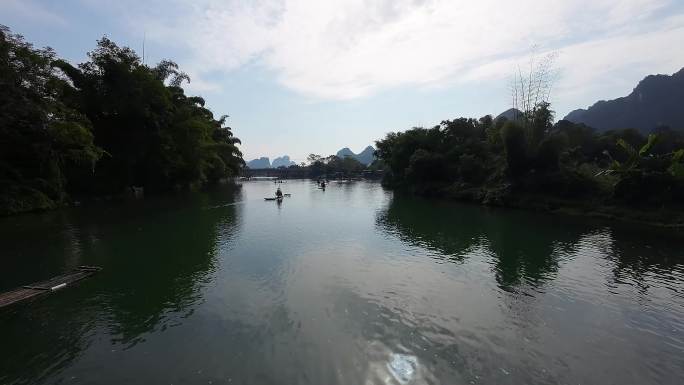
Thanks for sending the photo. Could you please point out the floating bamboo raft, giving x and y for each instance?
(40, 288)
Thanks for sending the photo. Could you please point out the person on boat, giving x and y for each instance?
(279, 194)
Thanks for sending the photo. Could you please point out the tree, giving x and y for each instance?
(532, 89)
(101, 127)
(515, 148)
(41, 138)
(155, 135)
(316, 165)
(313, 158)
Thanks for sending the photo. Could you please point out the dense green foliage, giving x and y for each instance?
(333, 166)
(101, 127)
(505, 162)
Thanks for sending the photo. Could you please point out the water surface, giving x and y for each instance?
(352, 285)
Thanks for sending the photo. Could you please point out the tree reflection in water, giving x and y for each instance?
(122, 298)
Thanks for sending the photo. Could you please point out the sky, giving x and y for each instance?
(312, 76)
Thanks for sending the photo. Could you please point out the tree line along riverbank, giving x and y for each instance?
(103, 127)
(530, 162)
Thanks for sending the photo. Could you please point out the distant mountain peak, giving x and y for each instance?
(657, 100)
(510, 114)
(345, 152)
(282, 161)
(262, 162)
(366, 156)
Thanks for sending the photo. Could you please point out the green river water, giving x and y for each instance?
(351, 285)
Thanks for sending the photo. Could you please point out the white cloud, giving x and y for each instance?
(588, 66)
(348, 49)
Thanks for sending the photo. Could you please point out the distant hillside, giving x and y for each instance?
(262, 162)
(283, 161)
(658, 100)
(366, 156)
(345, 152)
(510, 114)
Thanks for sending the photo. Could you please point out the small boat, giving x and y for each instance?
(45, 287)
(273, 199)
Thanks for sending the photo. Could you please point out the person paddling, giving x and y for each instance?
(279, 194)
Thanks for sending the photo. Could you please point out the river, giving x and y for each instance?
(351, 285)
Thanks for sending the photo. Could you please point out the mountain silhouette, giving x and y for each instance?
(262, 162)
(510, 114)
(345, 152)
(283, 161)
(658, 100)
(366, 156)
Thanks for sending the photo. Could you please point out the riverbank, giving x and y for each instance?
(504, 196)
(33, 201)
(101, 127)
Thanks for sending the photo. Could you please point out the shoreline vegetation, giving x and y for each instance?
(111, 126)
(522, 159)
(531, 163)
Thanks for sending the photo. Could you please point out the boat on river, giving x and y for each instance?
(45, 287)
(278, 198)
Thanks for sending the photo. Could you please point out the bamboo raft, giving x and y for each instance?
(44, 287)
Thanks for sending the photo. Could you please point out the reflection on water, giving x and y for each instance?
(348, 285)
(584, 300)
(154, 271)
(523, 251)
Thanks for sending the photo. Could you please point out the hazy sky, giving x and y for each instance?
(302, 76)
